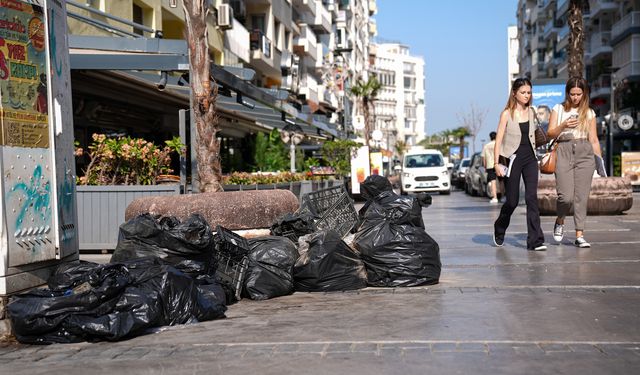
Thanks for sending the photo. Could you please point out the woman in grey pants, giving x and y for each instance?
(573, 124)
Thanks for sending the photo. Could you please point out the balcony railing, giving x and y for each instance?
(630, 20)
(601, 42)
(601, 86)
(259, 42)
(598, 6)
(630, 69)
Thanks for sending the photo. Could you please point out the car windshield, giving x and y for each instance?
(424, 160)
(465, 163)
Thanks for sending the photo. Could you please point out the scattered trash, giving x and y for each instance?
(293, 226)
(394, 246)
(327, 264)
(186, 245)
(270, 273)
(91, 302)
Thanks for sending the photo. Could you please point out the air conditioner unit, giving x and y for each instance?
(225, 16)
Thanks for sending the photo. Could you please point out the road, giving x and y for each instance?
(496, 311)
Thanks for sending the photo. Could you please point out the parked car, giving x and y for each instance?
(424, 170)
(476, 176)
(460, 172)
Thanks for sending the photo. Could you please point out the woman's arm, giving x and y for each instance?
(593, 137)
(502, 128)
(555, 129)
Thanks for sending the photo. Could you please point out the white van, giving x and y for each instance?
(424, 170)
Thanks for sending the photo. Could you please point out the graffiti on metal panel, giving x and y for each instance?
(35, 199)
(57, 62)
(66, 203)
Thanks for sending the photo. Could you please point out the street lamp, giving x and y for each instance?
(292, 134)
(610, 128)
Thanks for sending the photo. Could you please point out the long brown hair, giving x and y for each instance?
(583, 106)
(511, 103)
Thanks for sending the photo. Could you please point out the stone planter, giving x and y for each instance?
(608, 196)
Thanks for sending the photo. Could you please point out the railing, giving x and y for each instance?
(106, 26)
(632, 68)
(630, 20)
(601, 86)
(600, 40)
(258, 41)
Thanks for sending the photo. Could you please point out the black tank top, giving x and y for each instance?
(524, 129)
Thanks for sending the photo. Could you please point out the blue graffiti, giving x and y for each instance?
(53, 46)
(37, 195)
(65, 200)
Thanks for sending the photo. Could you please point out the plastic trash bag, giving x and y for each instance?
(393, 244)
(91, 302)
(327, 263)
(294, 225)
(186, 245)
(270, 272)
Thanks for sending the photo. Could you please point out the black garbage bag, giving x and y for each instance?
(294, 225)
(186, 245)
(270, 272)
(327, 263)
(393, 243)
(91, 302)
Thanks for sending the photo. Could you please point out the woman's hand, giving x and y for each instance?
(499, 170)
(571, 122)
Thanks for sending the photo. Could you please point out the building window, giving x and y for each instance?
(138, 18)
(407, 124)
(257, 22)
(276, 35)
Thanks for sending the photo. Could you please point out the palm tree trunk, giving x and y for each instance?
(576, 39)
(367, 125)
(204, 113)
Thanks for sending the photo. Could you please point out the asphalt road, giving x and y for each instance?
(496, 311)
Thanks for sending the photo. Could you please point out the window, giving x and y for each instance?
(276, 35)
(138, 18)
(257, 22)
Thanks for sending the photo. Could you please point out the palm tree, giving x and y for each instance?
(366, 92)
(576, 39)
(203, 108)
(401, 147)
(461, 133)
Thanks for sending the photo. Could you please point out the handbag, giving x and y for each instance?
(540, 135)
(549, 159)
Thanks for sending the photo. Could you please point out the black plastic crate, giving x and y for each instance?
(232, 257)
(333, 209)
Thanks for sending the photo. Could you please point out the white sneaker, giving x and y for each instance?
(581, 242)
(558, 232)
(493, 201)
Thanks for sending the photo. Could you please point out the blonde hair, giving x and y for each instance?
(583, 106)
(515, 86)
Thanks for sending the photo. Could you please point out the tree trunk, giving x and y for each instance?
(461, 148)
(367, 125)
(576, 40)
(204, 113)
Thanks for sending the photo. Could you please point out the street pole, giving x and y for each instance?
(292, 155)
(610, 128)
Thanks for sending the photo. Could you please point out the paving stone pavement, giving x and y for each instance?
(496, 311)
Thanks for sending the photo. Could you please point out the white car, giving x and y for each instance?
(424, 170)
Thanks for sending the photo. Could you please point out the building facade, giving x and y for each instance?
(399, 106)
(512, 55)
(611, 56)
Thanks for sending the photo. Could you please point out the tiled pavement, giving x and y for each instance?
(567, 310)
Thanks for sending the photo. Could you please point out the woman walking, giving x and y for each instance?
(573, 124)
(515, 142)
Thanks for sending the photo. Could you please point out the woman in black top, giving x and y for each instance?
(515, 143)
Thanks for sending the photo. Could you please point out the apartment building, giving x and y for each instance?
(513, 69)
(399, 106)
(305, 55)
(612, 56)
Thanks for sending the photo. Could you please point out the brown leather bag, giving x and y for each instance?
(549, 159)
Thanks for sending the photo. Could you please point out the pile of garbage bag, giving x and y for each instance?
(91, 302)
(392, 240)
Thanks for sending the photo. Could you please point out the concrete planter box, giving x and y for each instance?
(101, 211)
(608, 196)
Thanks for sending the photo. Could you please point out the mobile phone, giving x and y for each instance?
(573, 116)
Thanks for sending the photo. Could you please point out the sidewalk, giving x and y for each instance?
(496, 311)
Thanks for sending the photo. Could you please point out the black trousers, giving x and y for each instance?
(525, 165)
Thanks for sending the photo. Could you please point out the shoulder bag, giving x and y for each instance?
(549, 159)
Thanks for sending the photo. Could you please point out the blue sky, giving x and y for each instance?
(464, 45)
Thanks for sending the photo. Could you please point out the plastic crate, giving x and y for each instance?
(232, 255)
(333, 209)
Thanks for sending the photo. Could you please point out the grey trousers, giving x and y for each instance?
(574, 171)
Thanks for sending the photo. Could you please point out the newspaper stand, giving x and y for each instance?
(232, 258)
(333, 209)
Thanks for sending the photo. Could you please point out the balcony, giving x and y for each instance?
(321, 22)
(562, 7)
(263, 55)
(628, 70)
(341, 19)
(373, 7)
(562, 38)
(600, 44)
(305, 7)
(626, 24)
(237, 39)
(373, 27)
(550, 29)
(309, 88)
(597, 7)
(601, 87)
(306, 44)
